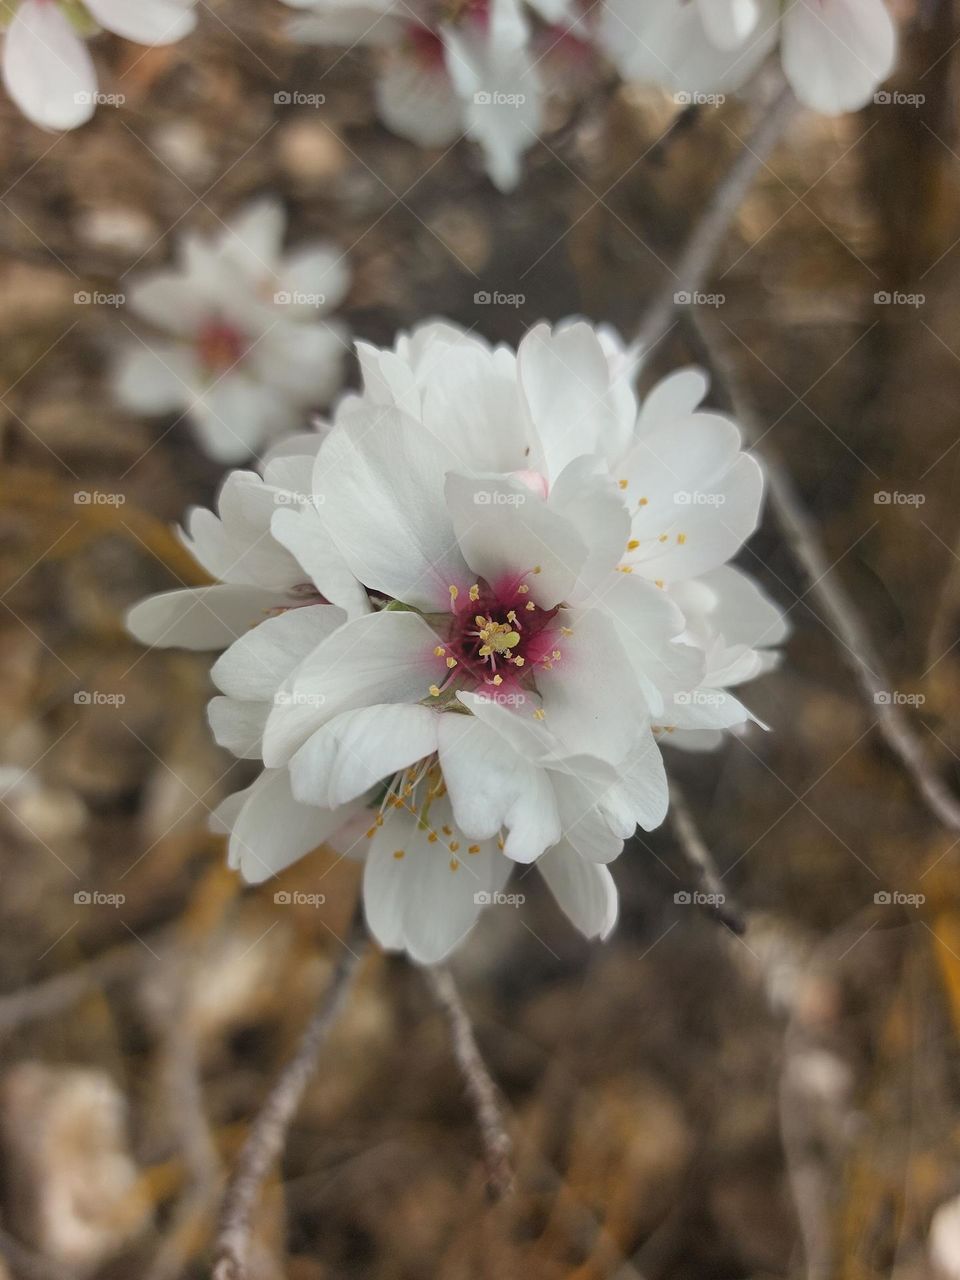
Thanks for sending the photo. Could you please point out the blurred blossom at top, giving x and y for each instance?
(47, 69)
(245, 350)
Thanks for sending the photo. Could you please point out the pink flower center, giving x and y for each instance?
(498, 639)
(220, 345)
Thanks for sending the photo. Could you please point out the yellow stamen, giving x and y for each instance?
(633, 544)
(398, 853)
(434, 691)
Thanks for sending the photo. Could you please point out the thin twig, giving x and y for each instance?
(699, 856)
(481, 1090)
(698, 257)
(268, 1133)
(841, 614)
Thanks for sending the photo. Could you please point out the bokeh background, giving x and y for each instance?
(685, 1103)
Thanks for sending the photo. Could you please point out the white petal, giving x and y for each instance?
(591, 697)
(584, 891)
(47, 69)
(509, 535)
(145, 21)
(836, 52)
(234, 416)
(380, 486)
(256, 665)
(300, 529)
(585, 495)
(491, 786)
(169, 300)
(676, 396)
(319, 270)
(238, 726)
(382, 657)
(273, 830)
(418, 102)
(252, 240)
(470, 400)
(154, 379)
(642, 785)
(744, 614)
(357, 749)
(236, 545)
(200, 617)
(728, 23)
(574, 403)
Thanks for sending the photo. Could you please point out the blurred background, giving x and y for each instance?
(685, 1102)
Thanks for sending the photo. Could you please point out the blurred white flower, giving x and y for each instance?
(245, 354)
(834, 52)
(479, 622)
(47, 69)
(445, 71)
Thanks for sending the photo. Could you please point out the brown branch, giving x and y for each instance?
(268, 1133)
(703, 246)
(481, 1090)
(698, 855)
(841, 614)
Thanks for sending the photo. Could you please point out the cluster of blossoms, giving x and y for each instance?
(245, 351)
(460, 619)
(483, 67)
(47, 69)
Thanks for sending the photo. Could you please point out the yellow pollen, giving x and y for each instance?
(658, 582)
(439, 651)
(625, 568)
(454, 864)
(522, 589)
(555, 655)
(530, 606)
(371, 833)
(398, 853)
(432, 838)
(518, 662)
(454, 846)
(497, 680)
(474, 592)
(537, 569)
(480, 620)
(623, 483)
(512, 617)
(447, 831)
(547, 666)
(434, 691)
(451, 663)
(662, 538)
(633, 544)
(681, 538)
(454, 592)
(643, 502)
(539, 714)
(474, 848)
(500, 842)
(566, 631)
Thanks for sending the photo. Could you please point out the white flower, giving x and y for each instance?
(464, 70)
(834, 52)
(47, 69)
(245, 354)
(507, 543)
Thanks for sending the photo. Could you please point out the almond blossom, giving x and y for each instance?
(245, 353)
(445, 70)
(47, 69)
(834, 52)
(497, 581)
